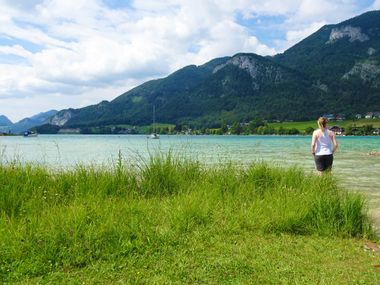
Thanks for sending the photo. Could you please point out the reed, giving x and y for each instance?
(57, 222)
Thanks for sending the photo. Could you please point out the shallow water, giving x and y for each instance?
(353, 166)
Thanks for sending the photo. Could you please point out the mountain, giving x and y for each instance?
(335, 70)
(335, 50)
(235, 88)
(343, 60)
(4, 121)
(36, 120)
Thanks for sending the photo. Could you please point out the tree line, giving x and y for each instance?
(259, 127)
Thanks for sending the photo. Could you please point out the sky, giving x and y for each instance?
(58, 54)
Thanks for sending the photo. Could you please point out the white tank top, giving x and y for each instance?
(324, 144)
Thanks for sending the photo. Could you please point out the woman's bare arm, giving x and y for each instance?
(313, 143)
(335, 143)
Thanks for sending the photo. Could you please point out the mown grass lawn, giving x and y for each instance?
(174, 221)
(230, 258)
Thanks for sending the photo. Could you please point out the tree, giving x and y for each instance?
(236, 128)
(254, 124)
(224, 128)
(281, 131)
(293, 131)
(309, 130)
(178, 128)
(368, 129)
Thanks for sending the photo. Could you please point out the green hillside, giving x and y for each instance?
(238, 88)
(333, 50)
(343, 60)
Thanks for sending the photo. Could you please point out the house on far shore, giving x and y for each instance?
(337, 130)
(69, 131)
(376, 114)
(369, 115)
(330, 117)
(358, 116)
(340, 117)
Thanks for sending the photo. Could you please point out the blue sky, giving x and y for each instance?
(57, 54)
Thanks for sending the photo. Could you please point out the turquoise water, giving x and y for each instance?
(353, 165)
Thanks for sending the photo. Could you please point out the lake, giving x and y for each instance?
(354, 167)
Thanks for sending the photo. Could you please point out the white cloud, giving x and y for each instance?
(84, 52)
(295, 36)
(330, 11)
(274, 7)
(375, 5)
(296, 19)
(15, 50)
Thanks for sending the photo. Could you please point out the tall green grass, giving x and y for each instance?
(70, 219)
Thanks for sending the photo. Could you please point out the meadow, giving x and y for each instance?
(168, 220)
(303, 125)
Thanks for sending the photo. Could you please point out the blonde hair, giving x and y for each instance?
(322, 122)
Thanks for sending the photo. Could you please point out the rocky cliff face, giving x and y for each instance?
(258, 71)
(371, 51)
(61, 118)
(352, 33)
(368, 71)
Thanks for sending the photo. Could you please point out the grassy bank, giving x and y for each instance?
(302, 126)
(169, 220)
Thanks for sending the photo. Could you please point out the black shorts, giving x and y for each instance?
(323, 162)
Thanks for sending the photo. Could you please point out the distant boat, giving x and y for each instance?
(30, 134)
(154, 135)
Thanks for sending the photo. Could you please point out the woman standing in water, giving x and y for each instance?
(323, 146)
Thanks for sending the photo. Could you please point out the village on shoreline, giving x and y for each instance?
(358, 125)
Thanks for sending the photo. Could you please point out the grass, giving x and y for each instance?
(170, 220)
(302, 126)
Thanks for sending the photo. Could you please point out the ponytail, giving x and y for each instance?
(322, 122)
